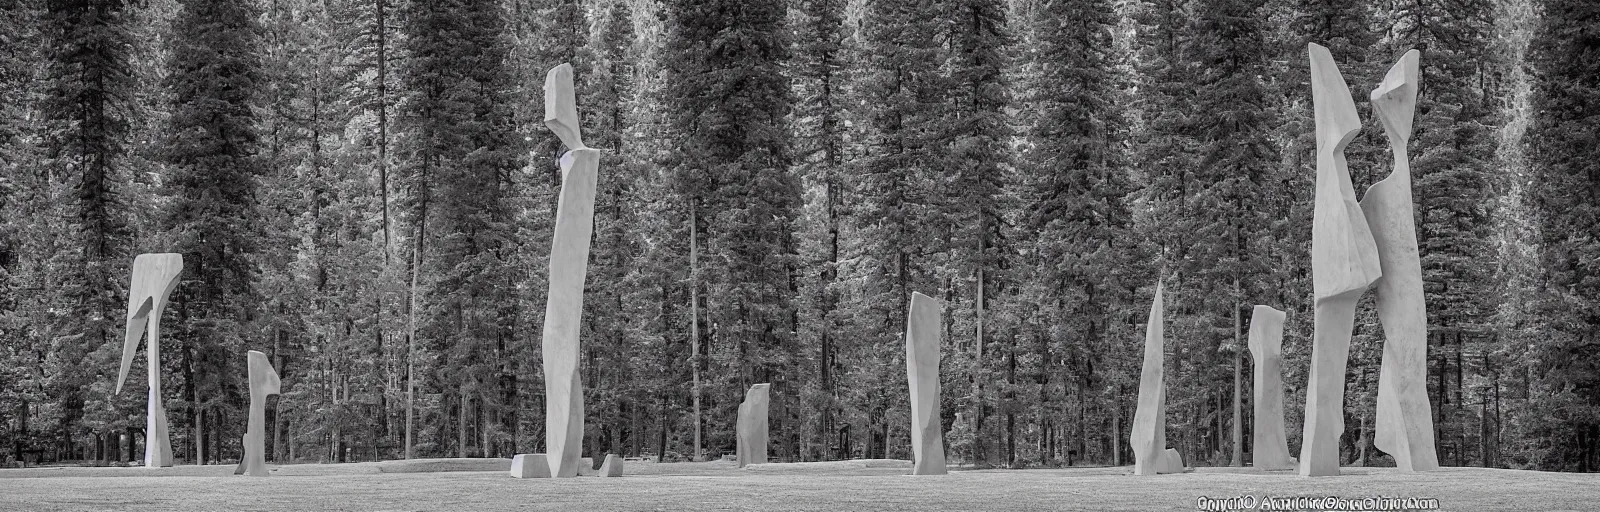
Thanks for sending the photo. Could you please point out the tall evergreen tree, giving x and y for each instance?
(1233, 124)
(85, 109)
(1451, 157)
(612, 394)
(459, 151)
(820, 78)
(899, 87)
(977, 133)
(1565, 58)
(212, 153)
(729, 101)
(1074, 222)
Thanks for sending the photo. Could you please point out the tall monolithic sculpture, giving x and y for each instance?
(569, 259)
(1271, 446)
(1344, 262)
(154, 278)
(1149, 437)
(751, 447)
(922, 373)
(263, 382)
(1405, 420)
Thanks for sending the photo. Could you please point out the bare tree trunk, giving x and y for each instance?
(411, 327)
(1116, 430)
(694, 323)
(461, 425)
(1238, 388)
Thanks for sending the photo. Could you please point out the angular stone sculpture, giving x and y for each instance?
(263, 382)
(154, 278)
(1271, 446)
(752, 428)
(612, 467)
(1149, 436)
(530, 465)
(922, 372)
(569, 258)
(1405, 420)
(1344, 262)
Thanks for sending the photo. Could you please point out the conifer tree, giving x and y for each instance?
(1233, 123)
(1451, 157)
(729, 100)
(899, 87)
(1074, 222)
(1565, 58)
(212, 153)
(88, 80)
(820, 78)
(459, 150)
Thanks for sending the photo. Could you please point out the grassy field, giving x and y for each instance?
(454, 484)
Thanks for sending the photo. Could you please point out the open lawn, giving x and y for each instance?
(462, 484)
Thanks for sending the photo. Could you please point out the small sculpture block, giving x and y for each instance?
(922, 373)
(154, 278)
(1149, 436)
(1405, 418)
(263, 381)
(612, 467)
(569, 259)
(752, 428)
(530, 465)
(1271, 446)
(1344, 262)
(1170, 462)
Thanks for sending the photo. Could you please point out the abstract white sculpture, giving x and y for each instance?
(263, 382)
(1405, 418)
(922, 372)
(569, 259)
(1149, 437)
(1271, 446)
(1344, 262)
(751, 445)
(154, 278)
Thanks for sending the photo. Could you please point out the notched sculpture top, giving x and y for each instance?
(154, 278)
(1344, 257)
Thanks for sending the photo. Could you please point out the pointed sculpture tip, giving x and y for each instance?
(1334, 108)
(1395, 99)
(919, 297)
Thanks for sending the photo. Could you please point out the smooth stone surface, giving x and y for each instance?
(1270, 445)
(752, 427)
(1149, 437)
(1405, 419)
(1171, 462)
(612, 467)
(922, 374)
(561, 106)
(154, 278)
(586, 466)
(263, 381)
(569, 259)
(530, 465)
(1344, 262)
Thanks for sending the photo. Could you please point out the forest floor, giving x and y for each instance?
(461, 485)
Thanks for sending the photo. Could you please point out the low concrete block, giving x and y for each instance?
(612, 467)
(530, 465)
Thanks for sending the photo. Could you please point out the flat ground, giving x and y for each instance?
(458, 484)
